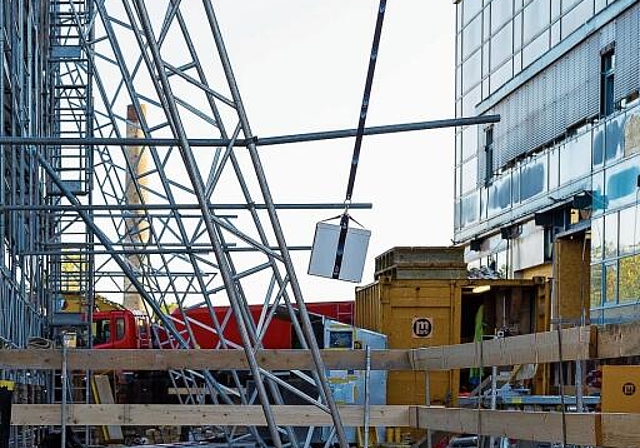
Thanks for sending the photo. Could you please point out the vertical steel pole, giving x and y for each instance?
(494, 398)
(2, 134)
(63, 410)
(579, 386)
(367, 395)
(427, 401)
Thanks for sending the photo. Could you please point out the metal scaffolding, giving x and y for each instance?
(24, 301)
(129, 169)
(99, 60)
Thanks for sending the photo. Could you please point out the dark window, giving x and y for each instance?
(102, 333)
(142, 328)
(488, 153)
(607, 71)
(340, 339)
(119, 329)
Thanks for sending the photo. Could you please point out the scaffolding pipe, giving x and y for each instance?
(256, 141)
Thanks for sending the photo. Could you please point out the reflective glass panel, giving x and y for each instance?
(501, 12)
(499, 195)
(501, 47)
(471, 37)
(614, 134)
(629, 279)
(597, 237)
(632, 133)
(470, 142)
(533, 178)
(535, 49)
(469, 175)
(596, 285)
(622, 183)
(575, 158)
(517, 32)
(599, 204)
(471, 71)
(554, 166)
(555, 33)
(555, 10)
(471, 8)
(515, 186)
(501, 76)
(611, 282)
(469, 102)
(576, 17)
(598, 145)
(628, 235)
(568, 4)
(611, 235)
(536, 17)
(469, 212)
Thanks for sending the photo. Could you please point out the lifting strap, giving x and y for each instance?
(344, 221)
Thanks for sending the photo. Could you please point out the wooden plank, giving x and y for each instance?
(577, 343)
(572, 271)
(611, 341)
(620, 430)
(581, 429)
(102, 394)
(161, 414)
(608, 430)
(618, 341)
(82, 359)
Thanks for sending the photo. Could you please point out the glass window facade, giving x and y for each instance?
(497, 39)
(592, 151)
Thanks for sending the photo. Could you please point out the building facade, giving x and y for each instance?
(558, 179)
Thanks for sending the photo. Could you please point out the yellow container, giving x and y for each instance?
(621, 389)
(413, 314)
(435, 312)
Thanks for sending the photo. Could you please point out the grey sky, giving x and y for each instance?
(301, 67)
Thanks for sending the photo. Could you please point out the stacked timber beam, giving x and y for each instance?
(591, 429)
(581, 343)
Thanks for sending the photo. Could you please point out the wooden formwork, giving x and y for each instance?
(580, 343)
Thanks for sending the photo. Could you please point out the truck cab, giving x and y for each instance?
(121, 329)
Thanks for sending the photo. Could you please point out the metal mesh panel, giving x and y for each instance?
(543, 108)
(627, 75)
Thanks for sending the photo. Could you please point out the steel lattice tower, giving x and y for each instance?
(155, 225)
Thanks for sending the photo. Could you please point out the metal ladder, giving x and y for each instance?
(70, 244)
(70, 116)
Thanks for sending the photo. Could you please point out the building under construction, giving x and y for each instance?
(147, 290)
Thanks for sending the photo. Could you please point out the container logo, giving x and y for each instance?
(422, 327)
(628, 389)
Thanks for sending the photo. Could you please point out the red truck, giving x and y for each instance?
(127, 329)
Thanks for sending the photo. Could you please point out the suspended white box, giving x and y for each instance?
(325, 250)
